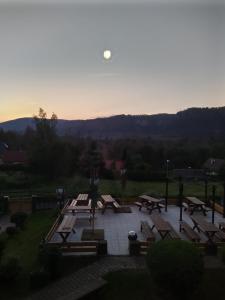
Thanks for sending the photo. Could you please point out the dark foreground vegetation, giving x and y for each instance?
(135, 285)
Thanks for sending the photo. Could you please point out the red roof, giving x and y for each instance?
(12, 157)
(119, 164)
(114, 164)
(108, 164)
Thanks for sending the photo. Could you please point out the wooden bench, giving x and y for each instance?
(139, 205)
(207, 209)
(116, 205)
(99, 204)
(220, 235)
(161, 205)
(173, 234)
(77, 247)
(185, 206)
(222, 226)
(190, 233)
(147, 232)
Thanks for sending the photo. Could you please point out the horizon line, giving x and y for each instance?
(119, 114)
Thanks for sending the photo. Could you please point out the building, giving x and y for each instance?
(14, 157)
(213, 166)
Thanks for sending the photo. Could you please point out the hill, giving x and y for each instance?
(193, 122)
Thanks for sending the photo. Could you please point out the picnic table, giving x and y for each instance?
(196, 205)
(207, 228)
(163, 227)
(151, 203)
(109, 201)
(75, 208)
(82, 197)
(66, 227)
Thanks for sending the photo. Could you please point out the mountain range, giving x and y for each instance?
(192, 122)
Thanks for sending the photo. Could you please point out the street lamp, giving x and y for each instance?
(167, 184)
(167, 167)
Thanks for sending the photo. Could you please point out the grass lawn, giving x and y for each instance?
(79, 184)
(135, 285)
(134, 188)
(24, 245)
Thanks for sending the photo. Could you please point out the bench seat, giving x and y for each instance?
(189, 232)
(147, 231)
(173, 234)
(99, 204)
(139, 205)
(220, 235)
(116, 204)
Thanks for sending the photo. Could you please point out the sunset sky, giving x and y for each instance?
(166, 56)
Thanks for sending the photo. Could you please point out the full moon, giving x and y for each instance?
(107, 54)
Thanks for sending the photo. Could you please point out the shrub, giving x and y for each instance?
(223, 254)
(176, 267)
(51, 259)
(11, 230)
(39, 279)
(2, 247)
(19, 219)
(10, 270)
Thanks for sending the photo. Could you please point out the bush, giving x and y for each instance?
(51, 259)
(223, 254)
(19, 219)
(176, 267)
(2, 247)
(39, 279)
(10, 270)
(11, 231)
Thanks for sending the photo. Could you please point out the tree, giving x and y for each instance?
(44, 144)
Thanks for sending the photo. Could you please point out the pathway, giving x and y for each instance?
(87, 279)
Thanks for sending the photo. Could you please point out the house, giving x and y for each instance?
(14, 157)
(214, 165)
(116, 165)
(3, 147)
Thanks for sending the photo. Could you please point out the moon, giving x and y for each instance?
(107, 54)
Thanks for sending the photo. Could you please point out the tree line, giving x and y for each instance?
(53, 156)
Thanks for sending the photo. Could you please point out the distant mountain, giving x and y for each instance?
(193, 122)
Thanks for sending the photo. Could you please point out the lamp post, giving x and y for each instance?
(213, 202)
(167, 167)
(224, 199)
(94, 181)
(181, 188)
(167, 184)
(206, 192)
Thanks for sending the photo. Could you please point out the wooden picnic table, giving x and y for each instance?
(66, 227)
(75, 208)
(82, 197)
(162, 226)
(109, 201)
(151, 203)
(202, 225)
(196, 205)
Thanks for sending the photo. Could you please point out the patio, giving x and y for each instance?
(117, 225)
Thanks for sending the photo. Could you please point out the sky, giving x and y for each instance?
(167, 55)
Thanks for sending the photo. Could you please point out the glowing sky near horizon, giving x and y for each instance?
(165, 57)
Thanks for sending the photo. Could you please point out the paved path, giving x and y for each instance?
(87, 279)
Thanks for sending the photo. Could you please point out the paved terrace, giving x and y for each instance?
(117, 225)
